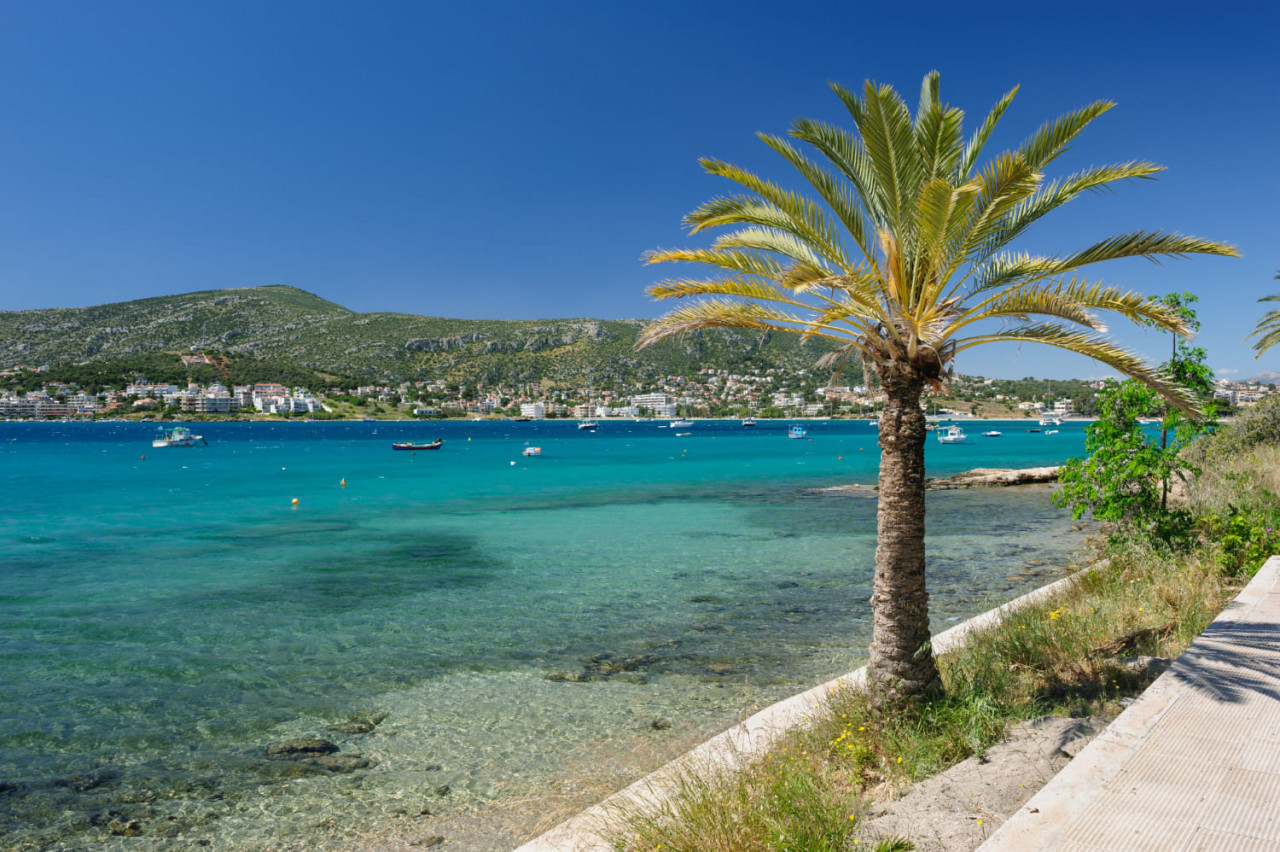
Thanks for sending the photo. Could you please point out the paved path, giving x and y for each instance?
(1193, 765)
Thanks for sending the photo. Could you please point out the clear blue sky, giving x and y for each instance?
(515, 159)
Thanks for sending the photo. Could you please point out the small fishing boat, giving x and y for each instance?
(991, 434)
(434, 445)
(797, 432)
(178, 436)
(531, 451)
(952, 435)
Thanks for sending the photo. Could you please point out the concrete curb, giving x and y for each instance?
(747, 741)
(1193, 764)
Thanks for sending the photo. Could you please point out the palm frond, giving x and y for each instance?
(888, 137)
(1057, 193)
(980, 136)
(1095, 346)
(1047, 143)
(680, 288)
(771, 240)
(721, 313)
(746, 262)
(941, 212)
(1007, 270)
(1148, 244)
(939, 135)
(834, 193)
(847, 153)
(774, 207)
(1268, 329)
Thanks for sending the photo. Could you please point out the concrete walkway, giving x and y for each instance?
(1193, 765)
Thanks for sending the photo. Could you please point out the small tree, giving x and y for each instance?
(1126, 474)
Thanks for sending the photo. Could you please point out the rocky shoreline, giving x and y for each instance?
(980, 477)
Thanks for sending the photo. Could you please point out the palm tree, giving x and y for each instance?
(1268, 330)
(906, 263)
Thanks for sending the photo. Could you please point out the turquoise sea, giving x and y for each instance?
(526, 633)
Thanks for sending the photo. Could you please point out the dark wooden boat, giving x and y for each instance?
(434, 445)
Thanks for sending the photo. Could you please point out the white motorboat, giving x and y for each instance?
(178, 436)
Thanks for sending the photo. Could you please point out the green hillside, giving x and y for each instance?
(296, 329)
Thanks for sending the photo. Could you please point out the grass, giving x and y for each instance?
(1066, 656)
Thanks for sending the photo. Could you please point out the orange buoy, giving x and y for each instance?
(343, 483)
(144, 458)
(295, 501)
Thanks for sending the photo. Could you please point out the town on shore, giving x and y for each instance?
(711, 393)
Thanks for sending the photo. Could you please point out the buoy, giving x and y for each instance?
(282, 468)
(295, 501)
(343, 483)
(144, 458)
(839, 458)
(513, 464)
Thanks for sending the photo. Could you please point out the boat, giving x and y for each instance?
(1051, 431)
(178, 436)
(749, 422)
(1033, 430)
(683, 434)
(681, 424)
(991, 434)
(1051, 420)
(531, 451)
(952, 435)
(434, 445)
(590, 424)
(797, 432)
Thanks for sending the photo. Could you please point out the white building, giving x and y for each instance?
(658, 404)
(533, 410)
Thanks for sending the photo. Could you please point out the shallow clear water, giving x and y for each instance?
(167, 613)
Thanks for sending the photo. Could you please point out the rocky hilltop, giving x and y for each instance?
(292, 326)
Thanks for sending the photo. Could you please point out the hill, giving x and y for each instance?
(296, 329)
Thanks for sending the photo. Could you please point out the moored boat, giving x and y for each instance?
(680, 424)
(797, 432)
(434, 445)
(531, 451)
(750, 421)
(178, 436)
(993, 433)
(952, 435)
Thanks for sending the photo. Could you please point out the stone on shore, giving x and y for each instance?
(986, 477)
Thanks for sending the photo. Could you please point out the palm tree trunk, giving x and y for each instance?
(901, 669)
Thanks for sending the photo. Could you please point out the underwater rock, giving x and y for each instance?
(359, 724)
(125, 828)
(660, 724)
(6, 787)
(85, 780)
(341, 763)
(300, 748)
(434, 840)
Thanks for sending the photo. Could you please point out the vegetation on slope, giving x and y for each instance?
(290, 327)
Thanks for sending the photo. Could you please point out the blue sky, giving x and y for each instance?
(514, 160)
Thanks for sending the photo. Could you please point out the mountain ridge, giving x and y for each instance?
(293, 326)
